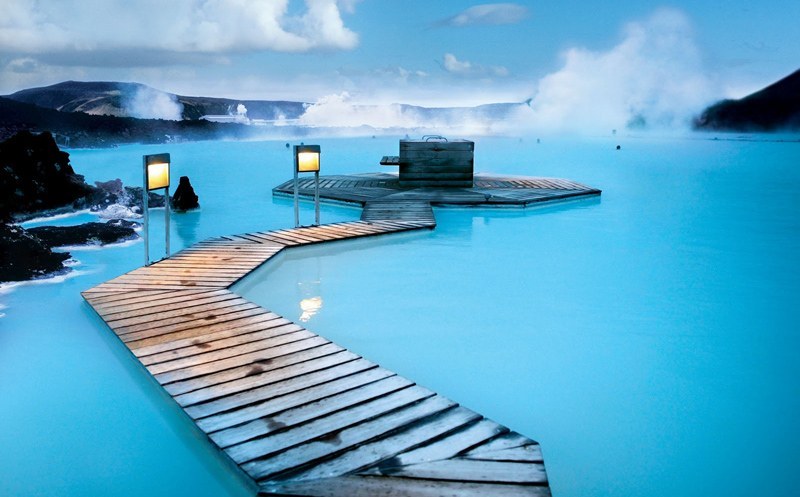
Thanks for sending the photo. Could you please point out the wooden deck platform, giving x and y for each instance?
(487, 190)
(298, 414)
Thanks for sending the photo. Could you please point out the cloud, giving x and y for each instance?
(466, 68)
(489, 13)
(183, 26)
(653, 77)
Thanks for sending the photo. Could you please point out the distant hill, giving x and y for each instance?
(775, 108)
(84, 130)
(106, 113)
(112, 98)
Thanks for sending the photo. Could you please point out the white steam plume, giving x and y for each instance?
(149, 103)
(652, 78)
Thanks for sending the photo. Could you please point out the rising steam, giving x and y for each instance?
(149, 103)
(652, 79)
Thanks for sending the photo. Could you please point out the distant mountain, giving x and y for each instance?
(775, 108)
(77, 129)
(106, 113)
(112, 98)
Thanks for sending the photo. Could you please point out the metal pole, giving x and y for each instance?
(166, 218)
(316, 197)
(145, 215)
(296, 194)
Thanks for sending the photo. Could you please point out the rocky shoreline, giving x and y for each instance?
(36, 180)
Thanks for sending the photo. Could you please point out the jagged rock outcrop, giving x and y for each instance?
(184, 197)
(35, 175)
(24, 257)
(113, 231)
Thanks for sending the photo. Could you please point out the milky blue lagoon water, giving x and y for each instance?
(648, 338)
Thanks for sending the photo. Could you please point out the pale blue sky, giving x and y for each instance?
(379, 51)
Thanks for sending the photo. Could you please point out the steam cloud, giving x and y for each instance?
(149, 103)
(653, 78)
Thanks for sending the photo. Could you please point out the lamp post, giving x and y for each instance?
(156, 176)
(306, 160)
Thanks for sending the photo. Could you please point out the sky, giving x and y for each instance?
(433, 53)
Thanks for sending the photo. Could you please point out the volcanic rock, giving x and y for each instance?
(24, 257)
(116, 230)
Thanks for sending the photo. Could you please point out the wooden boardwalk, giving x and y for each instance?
(298, 414)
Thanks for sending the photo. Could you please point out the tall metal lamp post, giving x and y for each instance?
(306, 160)
(156, 176)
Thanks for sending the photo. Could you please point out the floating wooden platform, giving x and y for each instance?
(487, 190)
(298, 414)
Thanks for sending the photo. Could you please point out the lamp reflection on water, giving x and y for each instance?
(310, 294)
(310, 308)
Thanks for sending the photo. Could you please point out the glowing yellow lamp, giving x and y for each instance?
(307, 158)
(157, 171)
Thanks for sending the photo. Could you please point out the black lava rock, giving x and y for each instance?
(184, 197)
(116, 230)
(24, 257)
(35, 175)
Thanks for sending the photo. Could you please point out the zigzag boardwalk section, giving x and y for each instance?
(298, 414)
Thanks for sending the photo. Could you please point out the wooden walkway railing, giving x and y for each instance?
(297, 413)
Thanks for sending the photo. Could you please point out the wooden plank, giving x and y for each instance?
(314, 452)
(236, 355)
(282, 387)
(208, 335)
(373, 452)
(186, 329)
(202, 315)
(451, 445)
(372, 486)
(327, 426)
(269, 329)
(144, 312)
(138, 301)
(469, 470)
(309, 392)
(301, 362)
(526, 453)
(507, 441)
(291, 417)
(294, 353)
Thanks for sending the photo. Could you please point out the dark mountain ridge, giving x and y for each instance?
(774, 108)
(120, 99)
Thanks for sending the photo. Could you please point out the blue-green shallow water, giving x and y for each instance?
(647, 339)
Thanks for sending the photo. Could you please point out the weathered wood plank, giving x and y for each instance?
(297, 353)
(326, 426)
(451, 445)
(291, 417)
(318, 450)
(193, 328)
(376, 451)
(249, 353)
(204, 337)
(309, 392)
(373, 486)
(526, 453)
(470, 470)
(282, 387)
(268, 329)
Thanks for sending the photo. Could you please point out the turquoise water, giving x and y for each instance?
(647, 338)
